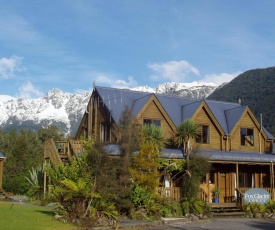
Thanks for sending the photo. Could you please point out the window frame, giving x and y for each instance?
(201, 138)
(247, 137)
(104, 129)
(148, 121)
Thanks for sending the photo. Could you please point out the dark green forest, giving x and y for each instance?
(255, 88)
(23, 150)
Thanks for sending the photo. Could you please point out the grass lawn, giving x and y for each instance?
(20, 216)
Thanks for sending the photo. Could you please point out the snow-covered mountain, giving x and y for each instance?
(65, 110)
(195, 89)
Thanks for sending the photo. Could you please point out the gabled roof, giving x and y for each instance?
(226, 113)
(178, 108)
(173, 105)
(233, 116)
(116, 100)
(138, 104)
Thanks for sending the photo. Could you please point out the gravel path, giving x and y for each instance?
(221, 224)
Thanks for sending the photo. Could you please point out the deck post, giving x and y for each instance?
(272, 179)
(237, 176)
(208, 187)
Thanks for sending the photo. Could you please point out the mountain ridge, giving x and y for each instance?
(255, 88)
(65, 110)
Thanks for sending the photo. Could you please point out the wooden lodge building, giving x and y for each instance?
(240, 150)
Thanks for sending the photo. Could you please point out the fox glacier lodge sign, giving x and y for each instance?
(258, 195)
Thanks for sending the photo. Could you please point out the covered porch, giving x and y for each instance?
(233, 173)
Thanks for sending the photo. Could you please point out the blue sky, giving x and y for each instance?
(68, 44)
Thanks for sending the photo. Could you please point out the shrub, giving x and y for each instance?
(270, 206)
(171, 208)
(194, 206)
(255, 208)
(146, 203)
(198, 167)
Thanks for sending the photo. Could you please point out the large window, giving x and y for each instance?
(247, 137)
(151, 121)
(246, 180)
(204, 136)
(104, 132)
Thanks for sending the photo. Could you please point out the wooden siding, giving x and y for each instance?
(247, 122)
(153, 112)
(202, 118)
(101, 115)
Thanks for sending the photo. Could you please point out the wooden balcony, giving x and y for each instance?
(61, 151)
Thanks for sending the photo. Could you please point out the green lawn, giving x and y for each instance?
(20, 216)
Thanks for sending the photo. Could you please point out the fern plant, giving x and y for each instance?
(36, 182)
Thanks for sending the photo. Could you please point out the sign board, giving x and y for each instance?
(258, 195)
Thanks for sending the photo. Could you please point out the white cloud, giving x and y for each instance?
(117, 83)
(172, 71)
(218, 79)
(28, 91)
(8, 66)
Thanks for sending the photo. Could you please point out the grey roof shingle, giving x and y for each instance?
(178, 108)
(238, 156)
(116, 100)
(213, 155)
(225, 113)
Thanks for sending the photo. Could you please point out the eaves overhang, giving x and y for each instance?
(235, 156)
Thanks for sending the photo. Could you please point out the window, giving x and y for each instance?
(86, 134)
(246, 180)
(247, 137)
(104, 132)
(151, 121)
(203, 136)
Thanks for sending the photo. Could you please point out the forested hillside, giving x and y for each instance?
(255, 88)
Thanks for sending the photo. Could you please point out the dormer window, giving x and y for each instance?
(247, 137)
(204, 135)
(151, 121)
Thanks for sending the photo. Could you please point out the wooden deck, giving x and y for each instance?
(58, 152)
(61, 151)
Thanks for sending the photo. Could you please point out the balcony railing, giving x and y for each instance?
(61, 151)
(173, 193)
